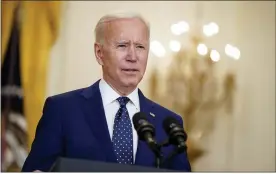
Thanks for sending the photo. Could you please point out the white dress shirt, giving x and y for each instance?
(111, 107)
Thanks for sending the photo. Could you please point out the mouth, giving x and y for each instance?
(130, 70)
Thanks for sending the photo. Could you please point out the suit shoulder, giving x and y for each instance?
(165, 111)
(62, 101)
(66, 95)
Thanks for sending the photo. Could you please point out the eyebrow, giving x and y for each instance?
(128, 42)
(122, 42)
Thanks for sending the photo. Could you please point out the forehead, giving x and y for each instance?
(133, 28)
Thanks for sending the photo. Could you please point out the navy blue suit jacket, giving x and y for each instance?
(73, 125)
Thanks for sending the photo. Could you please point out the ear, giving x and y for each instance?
(98, 50)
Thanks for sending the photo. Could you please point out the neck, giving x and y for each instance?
(121, 90)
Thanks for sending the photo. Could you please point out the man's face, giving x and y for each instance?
(124, 53)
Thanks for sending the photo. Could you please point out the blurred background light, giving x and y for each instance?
(202, 49)
(215, 56)
(175, 45)
(232, 51)
(210, 29)
(157, 49)
(180, 28)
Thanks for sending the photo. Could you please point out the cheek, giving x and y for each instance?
(143, 61)
(112, 59)
(119, 59)
(120, 55)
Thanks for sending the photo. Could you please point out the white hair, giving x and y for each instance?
(99, 29)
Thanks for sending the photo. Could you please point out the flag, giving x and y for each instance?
(14, 147)
(25, 54)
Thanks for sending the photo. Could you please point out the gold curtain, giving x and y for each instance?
(39, 24)
(7, 14)
(39, 31)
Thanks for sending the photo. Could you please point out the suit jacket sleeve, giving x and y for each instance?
(47, 144)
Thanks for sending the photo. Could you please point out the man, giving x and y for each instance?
(95, 123)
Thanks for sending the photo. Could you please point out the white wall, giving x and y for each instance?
(255, 139)
(250, 143)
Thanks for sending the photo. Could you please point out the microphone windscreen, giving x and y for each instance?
(169, 123)
(137, 118)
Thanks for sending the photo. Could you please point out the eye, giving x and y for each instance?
(121, 45)
(140, 46)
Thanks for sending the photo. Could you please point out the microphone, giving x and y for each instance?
(177, 137)
(176, 133)
(146, 132)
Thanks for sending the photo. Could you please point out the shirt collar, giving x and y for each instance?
(109, 95)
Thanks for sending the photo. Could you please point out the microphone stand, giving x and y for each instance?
(156, 148)
(170, 157)
(158, 155)
(175, 152)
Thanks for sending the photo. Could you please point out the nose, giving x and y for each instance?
(132, 57)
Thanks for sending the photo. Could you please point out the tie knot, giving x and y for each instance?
(123, 101)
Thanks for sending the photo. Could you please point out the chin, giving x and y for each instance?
(130, 82)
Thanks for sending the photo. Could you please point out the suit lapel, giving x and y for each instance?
(144, 155)
(95, 116)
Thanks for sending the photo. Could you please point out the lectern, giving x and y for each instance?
(80, 165)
